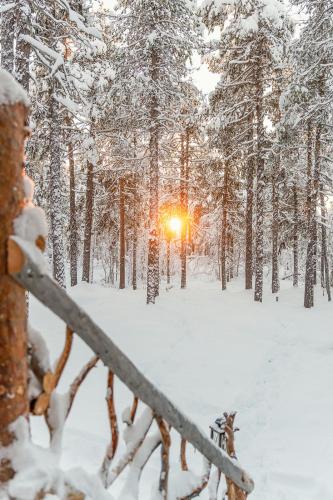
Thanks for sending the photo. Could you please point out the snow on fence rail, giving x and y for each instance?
(26, 271)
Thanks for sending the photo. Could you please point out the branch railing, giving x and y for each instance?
(26, 271)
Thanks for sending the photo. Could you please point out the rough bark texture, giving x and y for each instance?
(73, 236)
(224, 228)
(153, 274)
(259, 265)
(308, 289)
(135, 234)
(13, 335)
(88, 222)
(295, 236)
(184, 175)
(55, 192)
(7, 38)
(22, 56)
(249, 215)
(122, 248)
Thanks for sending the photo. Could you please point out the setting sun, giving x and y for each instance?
(175, 224)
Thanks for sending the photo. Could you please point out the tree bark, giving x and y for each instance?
(7, 38)
(249, 213)
(184, 175)
(13, 335)
(73, 233)
(55, 192)
(224, 227)
(88, 222)
(22, 56)
(135, 233)
(259, 265)
(122, 245)
(325, 266)
(275, 229)
(153, 274)
(295, 236)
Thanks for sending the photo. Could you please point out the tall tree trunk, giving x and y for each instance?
(311, 251)
(7, 37)
(135, 233)
(275, 228)
(224, 227)
(184, 174)
(13, 336)
(325, 266)
(259, 266)
(22, 56)
(73, 234)
(55, 193)
(295, 236)
(308, 288)
(249, 212)
(122, 245)
(153, 274)
(168, 243)
(88, 224)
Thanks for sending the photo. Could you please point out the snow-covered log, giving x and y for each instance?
(34, 279)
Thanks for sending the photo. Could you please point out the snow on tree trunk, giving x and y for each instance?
(73, 234)
(153, 274)
(295, 235)
(7, 37)
(249, 215)
(88, 222)
(22, 55)
(259, 264)
(122, 245)
(224, 227)
(13, 335)
(56, 192)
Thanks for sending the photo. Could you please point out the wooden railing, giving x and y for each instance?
(26, 271)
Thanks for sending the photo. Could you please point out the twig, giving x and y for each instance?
(112, 448)
(165, 451)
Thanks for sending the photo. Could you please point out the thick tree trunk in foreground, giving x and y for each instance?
(88, 222)
(122, 249)
(13, 339)
(56, 193)
(249, 216)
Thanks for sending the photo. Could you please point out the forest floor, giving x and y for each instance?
(211, 352)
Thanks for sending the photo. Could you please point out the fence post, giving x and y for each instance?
(13, 338)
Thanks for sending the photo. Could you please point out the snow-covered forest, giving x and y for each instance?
(166, 165)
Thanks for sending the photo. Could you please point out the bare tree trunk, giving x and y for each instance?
(22, 56)
(325, 266)
(135, 233)
(259, 265)
(224, 227)
(312, 191)
(122, 245)
(88, 222)
(73, 235)
(275, 231)
(153, 274)
(13, 335)
(55, 192)
(168, 243)
(249, 214)
(7, 37)
(184, 175)
(295, 236)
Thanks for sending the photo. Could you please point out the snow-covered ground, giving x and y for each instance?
(210, 352)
